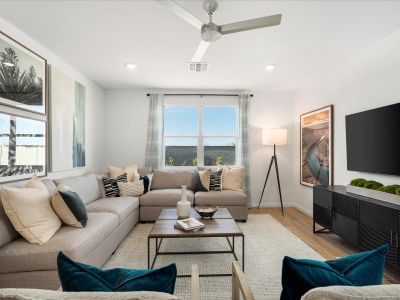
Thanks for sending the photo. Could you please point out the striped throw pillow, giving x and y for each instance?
(111, 185)
(215, 180)
(131, 189)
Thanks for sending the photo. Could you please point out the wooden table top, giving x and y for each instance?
(215, 227)
(170, 214)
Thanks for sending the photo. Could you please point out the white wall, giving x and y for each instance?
(270, 110)
(126, 127)
(368, 80)
(94, 102)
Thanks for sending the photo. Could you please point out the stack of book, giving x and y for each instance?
(189, 224)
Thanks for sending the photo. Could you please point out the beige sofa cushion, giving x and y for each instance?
(86, 186)
(221, 198)
(164, 198)
(173, 179)
(374, 292)
(232, 179)
(30, 212)
(33, 294)
(131, 172)
(122, 207)
(78, 243)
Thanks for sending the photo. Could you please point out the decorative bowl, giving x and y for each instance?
(206, 211)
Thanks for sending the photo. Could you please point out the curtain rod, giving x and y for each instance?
(201, 95)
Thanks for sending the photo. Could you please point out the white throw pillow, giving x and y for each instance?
(131, 189)
(30, 212)
(131, 172)
(232, 179)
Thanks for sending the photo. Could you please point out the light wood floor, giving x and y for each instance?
(329, 245)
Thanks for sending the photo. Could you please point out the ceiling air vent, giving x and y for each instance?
(198, 66)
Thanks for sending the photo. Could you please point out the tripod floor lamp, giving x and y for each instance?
(273, 136)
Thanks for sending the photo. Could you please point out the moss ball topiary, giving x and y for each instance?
(372, 185)
(398, 192)
(391, 189)
(358, 182)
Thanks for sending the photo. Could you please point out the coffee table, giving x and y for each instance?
(221, 225)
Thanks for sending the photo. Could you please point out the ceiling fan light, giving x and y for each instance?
(210, 33)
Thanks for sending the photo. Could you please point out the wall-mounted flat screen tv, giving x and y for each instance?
(373, 140)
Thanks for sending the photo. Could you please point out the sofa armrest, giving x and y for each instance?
(195, 283)
(240, 286)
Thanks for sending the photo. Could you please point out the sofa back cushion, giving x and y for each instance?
(173, 179)
(86, 186)
(7, 231)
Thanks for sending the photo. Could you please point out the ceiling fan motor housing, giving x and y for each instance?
(210, 32)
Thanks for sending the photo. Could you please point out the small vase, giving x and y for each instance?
(183, 207)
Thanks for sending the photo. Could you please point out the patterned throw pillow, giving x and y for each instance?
(69, 207)
(215, 180)
(111, 185)
(203, 180)
(131, 189)
(146, 182)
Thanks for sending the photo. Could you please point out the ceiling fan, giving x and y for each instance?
(211, 32)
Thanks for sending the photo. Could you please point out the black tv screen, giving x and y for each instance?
(373, 140)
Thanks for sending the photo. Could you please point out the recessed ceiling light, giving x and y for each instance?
(269, 68)
(130, 66)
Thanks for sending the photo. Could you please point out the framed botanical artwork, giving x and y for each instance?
(316, 147)
(23, 75)
(22, 147)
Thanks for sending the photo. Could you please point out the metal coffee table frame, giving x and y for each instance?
(158, 240)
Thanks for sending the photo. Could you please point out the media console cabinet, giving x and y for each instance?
(364, 222)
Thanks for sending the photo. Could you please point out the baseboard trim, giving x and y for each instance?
(266, 205)
(302, 210)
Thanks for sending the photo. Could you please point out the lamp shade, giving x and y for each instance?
(274, 136)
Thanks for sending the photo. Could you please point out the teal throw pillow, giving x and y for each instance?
(301, 275)
(79, 277)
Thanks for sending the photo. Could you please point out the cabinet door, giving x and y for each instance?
(322, 207)
(379, 225)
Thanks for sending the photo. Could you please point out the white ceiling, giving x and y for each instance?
(98, 37)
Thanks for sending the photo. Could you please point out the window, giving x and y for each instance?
(200, 135)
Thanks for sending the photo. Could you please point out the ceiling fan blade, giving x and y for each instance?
(181, 12)
(201, 50)
(251, 24)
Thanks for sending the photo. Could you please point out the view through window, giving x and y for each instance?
(200, 135)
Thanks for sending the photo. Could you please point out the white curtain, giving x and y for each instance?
(244, 127)
(155, 132)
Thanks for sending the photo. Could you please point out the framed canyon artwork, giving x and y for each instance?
(316, 147)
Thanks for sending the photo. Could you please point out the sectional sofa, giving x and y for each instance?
(26, 265)
(166, 192)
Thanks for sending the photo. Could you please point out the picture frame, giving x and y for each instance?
(23, 77)
(316, 147)
(66, 121)
(23, 147)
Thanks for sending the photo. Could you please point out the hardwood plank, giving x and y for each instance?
(329, 245)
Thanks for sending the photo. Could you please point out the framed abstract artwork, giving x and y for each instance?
(23, 75)
(316, 147)
(67, 121)
(22, 147)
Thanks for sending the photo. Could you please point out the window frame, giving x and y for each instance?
(200, 138)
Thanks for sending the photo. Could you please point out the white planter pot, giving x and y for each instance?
(373, 194)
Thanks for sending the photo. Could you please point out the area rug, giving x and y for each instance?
(266, 243)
